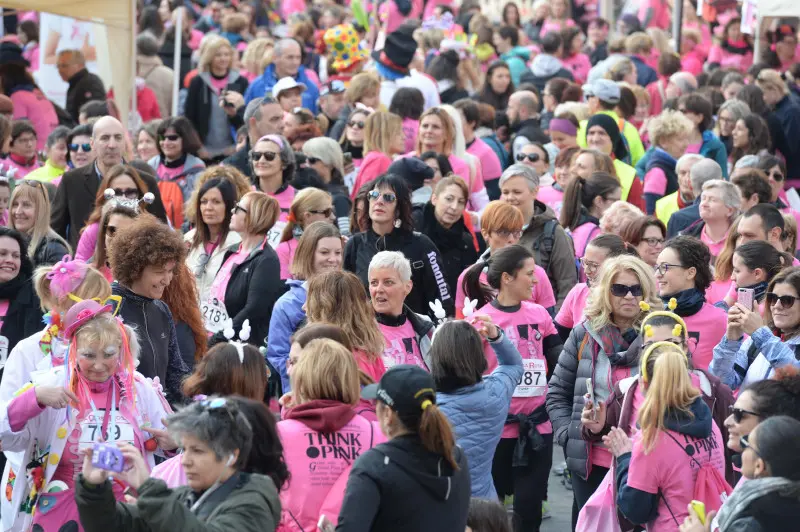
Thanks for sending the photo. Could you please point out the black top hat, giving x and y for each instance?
(11, 54)
(397, 53)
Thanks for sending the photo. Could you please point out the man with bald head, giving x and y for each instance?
(286, 58)
(522, 112)
(83, 85)
(75, 198)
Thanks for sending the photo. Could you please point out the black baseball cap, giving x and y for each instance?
(404, 389)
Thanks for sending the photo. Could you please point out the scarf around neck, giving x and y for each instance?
(689, 302)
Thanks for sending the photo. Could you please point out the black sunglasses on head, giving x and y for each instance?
(786, 301)
(622, 290)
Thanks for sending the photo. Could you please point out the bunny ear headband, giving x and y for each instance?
(244, 336)
(678, 330)
(122, 201)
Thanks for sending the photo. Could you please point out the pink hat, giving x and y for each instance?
(82, 312)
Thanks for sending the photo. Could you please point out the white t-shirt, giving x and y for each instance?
(417, 80)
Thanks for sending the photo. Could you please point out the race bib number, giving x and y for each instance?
(3, 351)
(92, 430)
(274, 234)
(214, 315)
(534, 380)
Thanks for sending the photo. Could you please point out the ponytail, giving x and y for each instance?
(507, 260)
(762, 255)
(437, 434)
(571, 204)
(473, 287)
(665, 371)
(580, 195)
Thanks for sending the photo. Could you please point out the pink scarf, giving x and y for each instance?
(220, 285)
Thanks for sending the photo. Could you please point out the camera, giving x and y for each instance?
(107, 456)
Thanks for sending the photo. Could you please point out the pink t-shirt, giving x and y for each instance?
(726, 59)
(694, 148)
(660, 18)
(285, 199)
(579, 65)
(375, 369)
(462, 169)
(717, 291)
(410, 130)
(582, 235)
(542, 290)
(169, 174)
(551, 197)
(655, 182)
(34, 107)
(401, 346)
(527, 328)
(669, 469)
(219, 84)
(285, 251)
(489, 161)
(706, 329)
(87, 242)
(571, 312)
(714, 247)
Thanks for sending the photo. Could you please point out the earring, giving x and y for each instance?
(397, 223)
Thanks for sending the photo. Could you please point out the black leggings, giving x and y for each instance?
(528, 484)
(583, 489)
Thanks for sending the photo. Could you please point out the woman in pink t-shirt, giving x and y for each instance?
(734, 49)
(559, 18)
(274, 166)
(657, 468)
(574, 59)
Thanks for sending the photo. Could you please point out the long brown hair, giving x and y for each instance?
(221, 372)
(582, 192)
(181, 297)
(100, 252)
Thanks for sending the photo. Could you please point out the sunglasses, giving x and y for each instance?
(388, 197)
(786, 301)
(268, 155)
(237, 208)
(738, 413)
(744, 443)
(622, 290)
(326, 212)
(171, 138)
(130, 193)
(359, 124)
(84, 147)
(589, 266)
(532, 157)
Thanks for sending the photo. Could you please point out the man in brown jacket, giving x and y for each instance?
(151, 69)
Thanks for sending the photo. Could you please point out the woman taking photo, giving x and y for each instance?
(318, 250)
(772, 339)
(585, 201)
(750, 136)
(217, 439)
(310, 205)
(23, 316)
(444, 220)
(601, 348)
(498, 88)
(211, 237)
(128, 189)
(247, 284)
(216, 76)
(176, 165)
(115, 218)
(390, 228)
(36, 415)
(325, 392)
(510, 275)
(29, 213)
(386, 497)
(647, 235)
(325, 156)
(383, 140)
(274, 166)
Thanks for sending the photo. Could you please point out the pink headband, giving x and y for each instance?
(277, 139)
(563, 126)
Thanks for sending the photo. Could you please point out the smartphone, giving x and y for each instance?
(700, 509)
(745, 297)
(325, 525)
(590, 391)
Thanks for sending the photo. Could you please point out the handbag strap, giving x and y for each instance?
(661, 494)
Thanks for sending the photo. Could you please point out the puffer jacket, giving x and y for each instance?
(478, 414)
(739, 363)
(583, 358)
(244, 503)
(287, 316)
(49, 251)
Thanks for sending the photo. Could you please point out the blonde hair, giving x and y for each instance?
(380, 131)
(620, 69)
(41, 203)
(723, 266)
(448, 130)
(790, 232)
(326, 370)
(770, 77)
(229, 173)
(93, 286)
(667, 125)
(362, 84)
(638, 43)
(618, 216)
(212, 47)
(598, 309)
(579, 109)
(668, 387)
(234, 22)
(104, 330)
(255, 56)
(308, 199)
(660, 39)
(339, 298)
(262, 213)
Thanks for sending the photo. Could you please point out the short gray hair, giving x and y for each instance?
(326, 150)
(731, 78)
(684, 81)
(59, 133)
(737, 108)
(393, 260)
(747, 161)
(520, 170)
(704, 171)
(731, 196)
(76, 56)
(689, 158)
(253, 109)
(281, 45)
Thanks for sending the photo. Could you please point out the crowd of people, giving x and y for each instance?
(387, 262)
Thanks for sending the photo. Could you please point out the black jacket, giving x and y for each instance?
(159, 354)
(456, 245)
(200, 98)
(427, 267)
(682, 219)
(23, 317)
(400, 486)
(167, 54)
(48, 252)
(254, 287)
(83, 87)
(241, 160)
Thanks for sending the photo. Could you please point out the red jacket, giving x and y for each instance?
(146, 103)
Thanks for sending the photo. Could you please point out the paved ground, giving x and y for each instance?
(560, 500)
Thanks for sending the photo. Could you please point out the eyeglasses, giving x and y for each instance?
(653, 242)
(589, 266)
(532, 157)
(130, 193)
(388, 197)
(505, 233)
(356, 124)
(663, 268)
(258, 155)
(325, 212)
(171, 138)
(738, 413)
(84, 147)
(786, 301)
(622, 290)
(744, 443)
(237, 208)
(312, 160)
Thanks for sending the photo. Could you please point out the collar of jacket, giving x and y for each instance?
(78, 76)
(129, 294)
